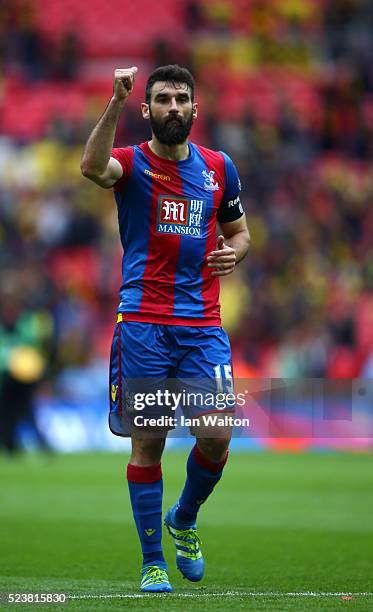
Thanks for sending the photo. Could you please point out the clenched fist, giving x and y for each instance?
(124, 79)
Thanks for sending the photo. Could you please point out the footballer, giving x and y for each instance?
(170, 195)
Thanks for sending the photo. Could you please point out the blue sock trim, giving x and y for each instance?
(184, 517)
(159, 562)
(150, 557)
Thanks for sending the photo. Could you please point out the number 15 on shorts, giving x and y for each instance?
(223, 377)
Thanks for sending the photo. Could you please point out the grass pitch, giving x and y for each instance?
(281, 532)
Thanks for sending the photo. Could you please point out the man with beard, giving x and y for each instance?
(169, 194)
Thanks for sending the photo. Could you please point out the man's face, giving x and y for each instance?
(171, 112)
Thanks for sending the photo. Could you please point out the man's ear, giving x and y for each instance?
(145, 110)
(195, 110)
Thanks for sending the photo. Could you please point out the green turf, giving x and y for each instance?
(276, 524)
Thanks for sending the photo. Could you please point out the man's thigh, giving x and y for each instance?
(205, 372)
(139, 364)
(205, 353)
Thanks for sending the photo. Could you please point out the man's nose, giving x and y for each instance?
(173, 105)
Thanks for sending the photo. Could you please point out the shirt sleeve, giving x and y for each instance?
(125, 158)
(230, 208)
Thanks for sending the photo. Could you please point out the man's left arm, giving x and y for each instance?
(232, 247)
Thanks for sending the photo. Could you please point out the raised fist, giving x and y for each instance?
(124, 79)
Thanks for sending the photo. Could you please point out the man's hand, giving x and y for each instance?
(223, 259)
(124, 79)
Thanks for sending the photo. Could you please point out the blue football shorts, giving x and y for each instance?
(147, 358)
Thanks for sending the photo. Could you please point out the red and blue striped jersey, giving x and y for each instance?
(167, 215)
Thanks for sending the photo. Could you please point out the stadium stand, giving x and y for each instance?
(285, 87)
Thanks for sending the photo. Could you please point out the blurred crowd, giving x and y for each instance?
(286, 88)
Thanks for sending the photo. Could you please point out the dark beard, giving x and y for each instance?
(171, 130)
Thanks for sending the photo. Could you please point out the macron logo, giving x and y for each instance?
(149, 532)
(161, 177)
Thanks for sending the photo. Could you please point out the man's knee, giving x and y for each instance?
(146, 451)
(214, 449)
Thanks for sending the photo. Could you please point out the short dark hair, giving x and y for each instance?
(173, 73)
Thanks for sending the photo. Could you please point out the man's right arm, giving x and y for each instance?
(97, 163)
